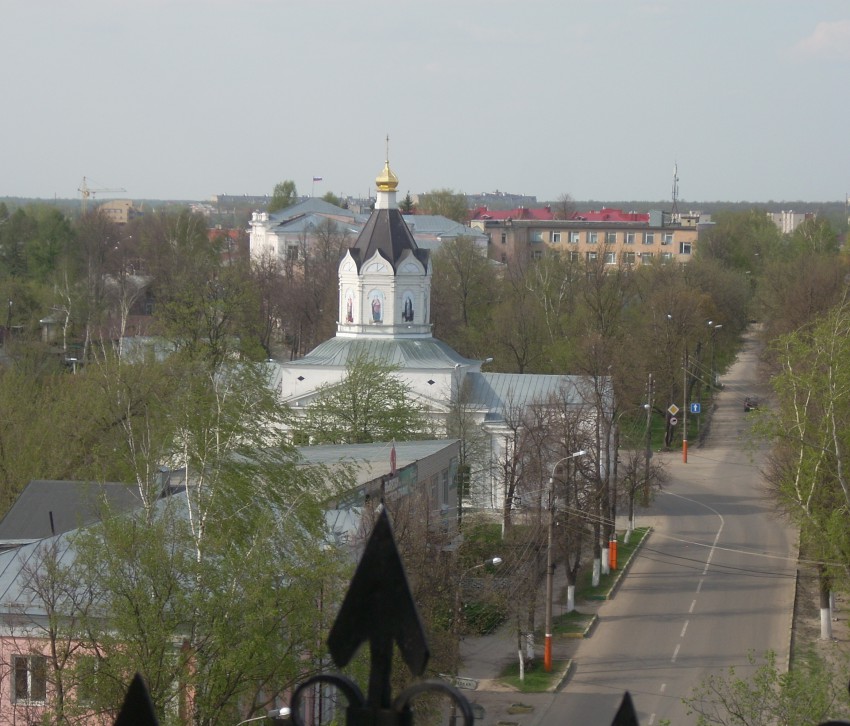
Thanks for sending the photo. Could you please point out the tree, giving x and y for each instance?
(565, 207)
(332, 198)
(285, 195)
(463, 293)
(806, 694)
(371, 403)
(445, 202)
(406, 205)
(809, 468)
(195, 588)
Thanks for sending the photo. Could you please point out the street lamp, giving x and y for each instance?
(550, 565)
(493, 561)
(282, 712)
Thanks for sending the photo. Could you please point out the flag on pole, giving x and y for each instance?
(392, 460)
(317, 178)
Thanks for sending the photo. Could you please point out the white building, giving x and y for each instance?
(384, 314)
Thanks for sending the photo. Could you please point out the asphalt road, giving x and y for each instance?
(714, 581)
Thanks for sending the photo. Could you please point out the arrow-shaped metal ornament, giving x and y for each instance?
(379, 607)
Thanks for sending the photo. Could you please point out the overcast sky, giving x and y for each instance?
(184, 99)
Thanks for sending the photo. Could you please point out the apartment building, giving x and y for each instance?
(615, 236)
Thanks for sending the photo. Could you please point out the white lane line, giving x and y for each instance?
(699, 587)
(691, 608)
(651, 719)
(684, 629)
(663, 688)
(675, 653)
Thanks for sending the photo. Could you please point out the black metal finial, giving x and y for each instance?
(379, 607)
(626, 715)
(137, 709)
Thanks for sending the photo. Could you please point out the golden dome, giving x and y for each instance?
(386, 181)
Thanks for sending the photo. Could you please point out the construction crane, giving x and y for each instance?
(86, 191)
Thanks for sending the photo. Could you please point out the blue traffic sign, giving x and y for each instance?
(695, 408)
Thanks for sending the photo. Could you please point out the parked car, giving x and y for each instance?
(750, 403)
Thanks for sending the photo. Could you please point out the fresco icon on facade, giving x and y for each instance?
(376, 304)
(349, 307)
(407, 308)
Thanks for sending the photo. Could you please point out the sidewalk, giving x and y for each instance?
(485, 657)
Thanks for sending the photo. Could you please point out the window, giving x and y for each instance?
(629, 258)
(574, 238)
(591, 256)
(445, 499)
(592, 238)
(536, 235)
(630, 238)
(292, 253)
(30, 678)
(504, 257)
(649, 238)
(610, 258)
(667, 238)
(537, 254)
(610, 238)
(88, 686)
(684, 248)
(504, 238)
(556, 238)
(646, 258)
(666, 256)
(574, 256)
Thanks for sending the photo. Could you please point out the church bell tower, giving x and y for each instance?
(384, 278)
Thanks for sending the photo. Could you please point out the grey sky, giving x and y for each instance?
(183, 99)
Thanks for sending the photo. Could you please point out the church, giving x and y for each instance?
(384, 314)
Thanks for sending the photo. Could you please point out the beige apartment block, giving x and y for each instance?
(614, 242)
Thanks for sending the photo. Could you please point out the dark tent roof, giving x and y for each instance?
(386, 232)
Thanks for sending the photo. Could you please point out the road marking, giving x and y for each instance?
(693, 605)
(651, 719)
(675, 653)
(663, 688)
(684, 629)
(699, 586)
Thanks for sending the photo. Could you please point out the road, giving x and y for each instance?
(714, 581)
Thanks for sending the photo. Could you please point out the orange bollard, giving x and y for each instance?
(612, 552)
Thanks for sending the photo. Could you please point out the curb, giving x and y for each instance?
(622, 571)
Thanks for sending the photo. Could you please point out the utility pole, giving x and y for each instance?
(685, 410)
(648, 453)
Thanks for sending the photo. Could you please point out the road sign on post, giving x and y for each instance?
(696, 408)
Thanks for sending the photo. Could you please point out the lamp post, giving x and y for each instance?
(550, 565)
(493, 561)
(282, 712)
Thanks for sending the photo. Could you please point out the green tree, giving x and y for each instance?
(742, 240)
(809, 426)
(285, 195)
(406, 205)
(371, 403)
(803, 696)
(464, 290)
(332, 198)
(196, 588)
(446, 202)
